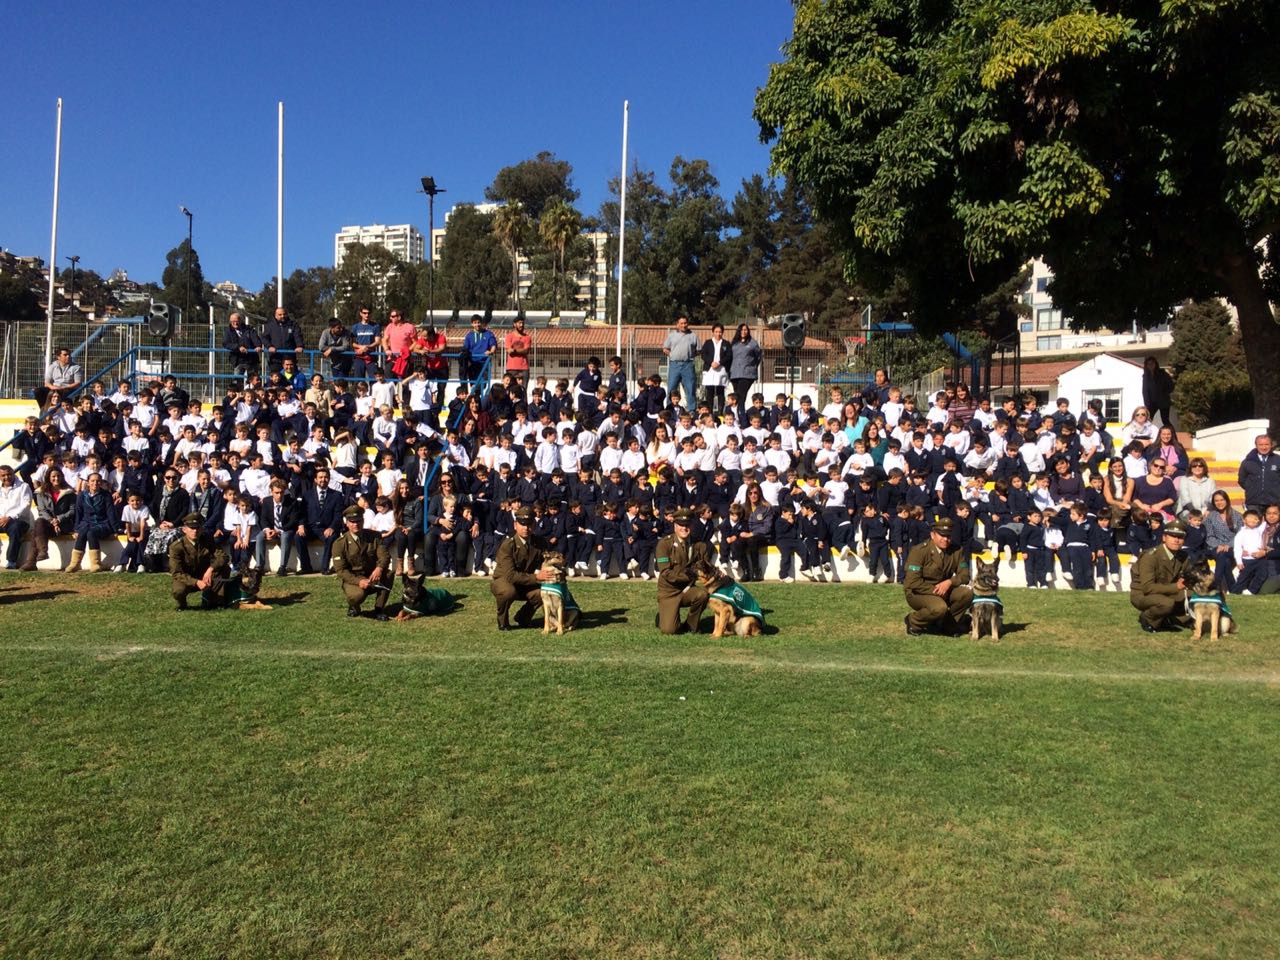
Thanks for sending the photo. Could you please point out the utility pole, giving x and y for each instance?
(430, 189)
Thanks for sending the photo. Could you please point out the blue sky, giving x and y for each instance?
(166, 104)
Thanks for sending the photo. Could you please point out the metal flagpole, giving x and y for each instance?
(622, 220)
(280, 209)
(53, 244)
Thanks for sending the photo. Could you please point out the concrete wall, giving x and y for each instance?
(1231, 441)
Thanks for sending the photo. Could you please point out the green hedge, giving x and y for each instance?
(1206, 400)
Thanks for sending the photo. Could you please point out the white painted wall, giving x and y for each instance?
(1231, 441)
(1102, 373)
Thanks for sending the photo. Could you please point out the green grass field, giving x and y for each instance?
(295, 784)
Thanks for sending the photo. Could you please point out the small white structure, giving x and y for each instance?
(1114, 380)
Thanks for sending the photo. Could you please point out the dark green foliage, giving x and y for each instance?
(1132, 145)
(534, 183)
(18, 299)
(173, 282)
(473, 268)
(1204, 339)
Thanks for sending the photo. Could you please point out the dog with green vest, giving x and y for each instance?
(733, 606)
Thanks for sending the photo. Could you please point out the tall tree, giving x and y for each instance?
(511, 227)
(534, 183)
(309, 296)
(1135, 146)
(559, 225)
(365, 276)
(173, 281)
(19, 299)
(473, 268)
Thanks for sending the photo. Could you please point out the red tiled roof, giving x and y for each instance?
(1046, 373)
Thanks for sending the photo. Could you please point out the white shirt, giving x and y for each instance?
(15, 500)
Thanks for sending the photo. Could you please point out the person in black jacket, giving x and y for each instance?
(463, 530)
(242, 343)
(323, 519)
(281, 519)
(281, 337)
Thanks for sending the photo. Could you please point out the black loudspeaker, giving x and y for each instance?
(163, 319)
(793, 331)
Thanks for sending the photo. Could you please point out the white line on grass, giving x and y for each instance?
(660, 662)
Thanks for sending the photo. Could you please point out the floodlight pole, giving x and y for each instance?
(430, 189)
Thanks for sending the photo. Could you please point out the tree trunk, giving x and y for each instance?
(1259, 336)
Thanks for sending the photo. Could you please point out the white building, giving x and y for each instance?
(404, 240)
(1116, 381)
(592, 284)
(1049, 331)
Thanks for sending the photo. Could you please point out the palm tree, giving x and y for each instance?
(560, 223)
(510, 224)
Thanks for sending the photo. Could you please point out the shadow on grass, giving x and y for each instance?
(288, 600)
(37, 595)
(602, 618)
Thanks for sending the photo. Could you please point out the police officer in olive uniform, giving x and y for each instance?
(362, 564)
(936, 583)
(1159, 580)
(518, 572)
(198, 565)
(677, 560)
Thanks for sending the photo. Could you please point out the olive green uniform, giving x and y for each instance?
(1153, 588)
(927, 566)
(188, 561)
(355, 557)
(676, 561)
(514, 577)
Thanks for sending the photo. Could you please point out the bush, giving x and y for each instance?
(1206, 400)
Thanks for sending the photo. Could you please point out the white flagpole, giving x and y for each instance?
(622, 220)
(53, 242)
(280, 209)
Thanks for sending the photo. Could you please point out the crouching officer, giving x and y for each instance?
(936, 584)
(677, 559)
(518, 574)
(198, 565)
(362, 564)
(1159, 580)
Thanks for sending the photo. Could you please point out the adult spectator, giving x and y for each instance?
(335, 347)
(1155, 493)
(463, 531)
(518, 573)
(15, 509)
(56, 508)
(362, 563)
(1157, 390)
(61, 376)
(877, 392)
(680, 347)
(397, 343)
(95, 522)
(1271, 543)
(518, 344)
(366, 336)
(198, 565)
(1169, 449)
(321, 395)
(744, 364)
(677, 559)
(478, 346)
(282, 521)
(242, 344)
(1259, 475)
(716, 354)
(430, 348)
(281, 337)
(1221, 524)
(936, 584)
(1159, 580)
(323, 518)
(962, 405)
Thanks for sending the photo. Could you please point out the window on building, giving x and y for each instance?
(1048, 343)
(1047, 318)
(1042, 284)
(1110, 402)
(783, 373)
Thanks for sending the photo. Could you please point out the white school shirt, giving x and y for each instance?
(588, 444)
(131, 516)
(666, 451)
(770, 490)
(383, 394)
(381, 522)
(894, 461)
(364, 405)
(502, 456)
(546, 457)
(835, 492)
(833, 410)
(267, 449)
(778, 458)
(689, 460)
(632, 461)
(419, 395)
(388, 478)
(892, 411)
(751, 460)
(570, 458)
(788, 437)
(959, 442)
(858, 464)
(725, 431)
(1032, 457)
(1248, 540)
(610, 457)
(825, 459)
(731, 460)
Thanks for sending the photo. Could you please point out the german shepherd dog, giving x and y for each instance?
(726, 616)
(555, 612)
(246, 585)
(987, 613)
(1207, 603)
(417, 601)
